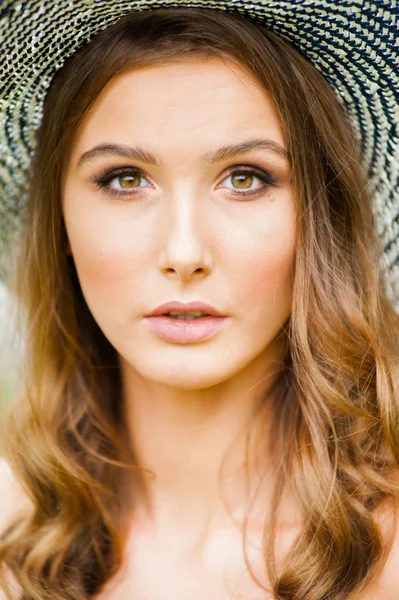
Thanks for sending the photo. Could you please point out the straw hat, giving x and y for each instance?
(354, 44)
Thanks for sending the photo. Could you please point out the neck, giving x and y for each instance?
(195, 441)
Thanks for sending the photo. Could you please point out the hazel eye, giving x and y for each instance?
(242, 181)
(128, 181)
(248, 181)
(118, 183)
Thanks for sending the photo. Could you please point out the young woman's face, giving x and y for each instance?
(201, 209)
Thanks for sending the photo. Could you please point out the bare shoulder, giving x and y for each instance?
(13, 503)
(13, 500)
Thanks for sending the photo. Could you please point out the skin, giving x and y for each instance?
(186, 231)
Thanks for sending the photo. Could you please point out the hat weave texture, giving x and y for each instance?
(354, 44)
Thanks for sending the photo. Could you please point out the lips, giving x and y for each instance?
(189, 307)
(185, 331)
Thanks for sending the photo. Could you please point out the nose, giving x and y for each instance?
(186, 238)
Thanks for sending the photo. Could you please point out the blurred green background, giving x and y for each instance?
(10, 351)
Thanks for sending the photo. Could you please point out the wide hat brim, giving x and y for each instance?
(354, 44)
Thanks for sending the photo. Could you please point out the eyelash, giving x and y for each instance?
(104, 179)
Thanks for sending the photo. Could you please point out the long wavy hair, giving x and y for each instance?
(334, 410)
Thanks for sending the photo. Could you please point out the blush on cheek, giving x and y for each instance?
(268, 281)
(269, 284)
(105, 277)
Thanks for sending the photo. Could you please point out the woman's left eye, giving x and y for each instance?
(129, 179)
(245, 178)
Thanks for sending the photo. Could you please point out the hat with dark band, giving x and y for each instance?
(353, 43)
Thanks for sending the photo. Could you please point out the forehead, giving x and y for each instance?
(195, 101)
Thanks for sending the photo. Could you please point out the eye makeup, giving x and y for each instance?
(104, 178)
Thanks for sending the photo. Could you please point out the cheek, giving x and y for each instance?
(265, 274)
(109, 260)
(108, 278)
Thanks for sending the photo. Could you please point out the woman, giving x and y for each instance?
(191, 165)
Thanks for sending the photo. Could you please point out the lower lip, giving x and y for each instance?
(195, 330)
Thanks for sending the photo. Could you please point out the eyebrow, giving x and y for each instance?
(138, 153)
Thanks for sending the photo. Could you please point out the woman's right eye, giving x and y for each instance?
(121, 181)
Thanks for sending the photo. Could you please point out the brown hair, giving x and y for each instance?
(335, 406)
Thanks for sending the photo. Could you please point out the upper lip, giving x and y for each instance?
(187, 307)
